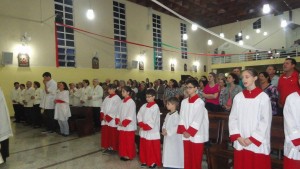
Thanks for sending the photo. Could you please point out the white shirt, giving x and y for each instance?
(173, 143)
(15, 93)
(86, 92)
(251, 117)
(195, 115)
(48, 99)
(62, 110)
(5, 127)
(27, 97)
(38, 95)
(291, 114)
(151, 117)
(110, 107)
(274, 80)
(127, 111)
(97, 95)
(21, 96)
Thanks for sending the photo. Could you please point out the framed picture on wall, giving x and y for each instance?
(141, 65)
(172, 67)
(23, 60)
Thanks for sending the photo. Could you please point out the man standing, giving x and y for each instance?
(271, 70)
(48, 102)
(288, 81)
(15, 100)
(96, 101)
(28, 102)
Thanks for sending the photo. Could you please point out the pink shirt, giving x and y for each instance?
(212, 90)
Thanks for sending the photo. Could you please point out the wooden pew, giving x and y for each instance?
(82, 121)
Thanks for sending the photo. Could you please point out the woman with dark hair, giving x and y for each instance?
(222, 87)
(232, 89)
(38, 95)
(62, 108)
(271, 90)
(171, 91)
(211, 93)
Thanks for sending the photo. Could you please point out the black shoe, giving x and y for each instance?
(124, 159)
(106, 152)
(153, 165)
(143, 165)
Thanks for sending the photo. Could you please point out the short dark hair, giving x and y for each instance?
(65, 85)
(37, 84)
(16, 83)
(274, 67)
(192, 81)
(112, 86)
(175, 83)
(86, 81)
(23, 85)
(266, 75)
(47, 74)
(127, 89)
(174, 100)
(293, 61)
(151, 92)
(235, 77)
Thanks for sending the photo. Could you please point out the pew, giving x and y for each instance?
(220, 156)
(82, 121)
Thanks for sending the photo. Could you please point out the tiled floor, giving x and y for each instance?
(29, 149)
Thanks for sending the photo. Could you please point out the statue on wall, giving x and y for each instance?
(185, 67)
(95, 61)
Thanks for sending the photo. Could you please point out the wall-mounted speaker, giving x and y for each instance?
(7, 58)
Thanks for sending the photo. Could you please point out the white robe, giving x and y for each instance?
(173, 144)
(291, 114)
(195, 115)
(127, 110)
(251, 117)
(151, 117)
(97, 94)
(76, 95)
(15, 93)
(86, 92)
(38, 95)
(21, 96)
(27, 97)
(110, 107)
(62, 110)
(48, 99)
(5, 127)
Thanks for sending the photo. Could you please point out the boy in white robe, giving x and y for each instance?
(193, 126)
(291, 114)
(173, 144)
(149, 122)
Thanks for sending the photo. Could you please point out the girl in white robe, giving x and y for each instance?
(173, 143)
(250, 125)
(62, 109)
(291, 114)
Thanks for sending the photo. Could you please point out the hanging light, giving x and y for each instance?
(241, 43)
(247, 37)
(240, 33)
(283, 23)
(266, 9)
(222, 35)
(185, 36)
(194, 27)
(90, 14)
(257, 30)
(209, 42)
(265, 33)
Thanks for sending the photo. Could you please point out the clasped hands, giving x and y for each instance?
(244, 141)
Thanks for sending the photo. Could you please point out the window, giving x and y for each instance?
(183, 42)
(64, 36)
(257, 24)
(120, 34)
(158, 55)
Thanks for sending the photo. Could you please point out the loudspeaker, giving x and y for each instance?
(7, 58)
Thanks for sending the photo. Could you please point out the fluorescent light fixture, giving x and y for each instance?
(266, 9)
(194, 27)
(283, 23)
(209, 42)
(185, 36)
(90, 14)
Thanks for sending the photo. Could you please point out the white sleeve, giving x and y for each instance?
(132, 110)
(233, 118)
(153, 118)
(291, 119)
(99, 94)
(174, 125)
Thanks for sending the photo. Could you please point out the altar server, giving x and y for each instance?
(193, 126)
(291, 116)
(250, 124)
(126, 120)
